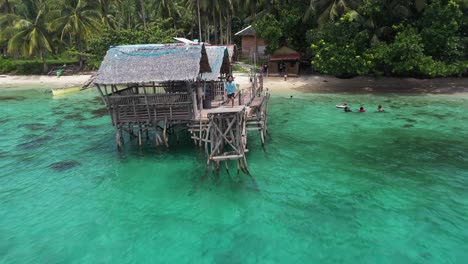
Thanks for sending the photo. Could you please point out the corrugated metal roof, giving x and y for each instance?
(248, 31)
(152, 63)
(285, 57)
(285, 53)
(186, 41)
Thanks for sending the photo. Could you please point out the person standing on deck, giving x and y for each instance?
(230, 87)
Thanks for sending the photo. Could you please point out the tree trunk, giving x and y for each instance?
(215, 29)
(207, 31)
(191, 27)
(229, 29)
(199, 22)
(221, 33)
(7, 7)
(143, 13)
(79, 49)
(45, 68)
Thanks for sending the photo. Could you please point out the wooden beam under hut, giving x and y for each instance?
(226, 139)
(140, 108)
(258, 116)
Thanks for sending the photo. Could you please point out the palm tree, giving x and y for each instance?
(76, 21)
(5, 6)
(328, 10)
(29, 34)
(104, 7)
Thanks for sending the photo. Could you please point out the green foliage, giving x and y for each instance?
(406, 57)
(114, 37)
(12, 66)
(443, 69)
(426, 43)
(269, 29)
(7, 65)
(340, 50)
(238, 68)
(440, 26)
(342, 37)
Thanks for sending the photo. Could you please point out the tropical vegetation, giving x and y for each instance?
(341, 37)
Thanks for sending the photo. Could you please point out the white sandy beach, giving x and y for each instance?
(13, 81)
(306, 83)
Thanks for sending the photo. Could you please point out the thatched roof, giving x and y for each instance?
(152, 63)
(218, 57)
(231, 48)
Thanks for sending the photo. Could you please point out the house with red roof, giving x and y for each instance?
(284, 61)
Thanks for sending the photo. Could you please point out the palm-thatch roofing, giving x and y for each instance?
(231, 48)
(152, 63)
(218, 57)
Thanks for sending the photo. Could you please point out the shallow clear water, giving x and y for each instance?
(331, 187)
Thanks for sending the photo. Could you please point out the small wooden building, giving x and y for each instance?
(249, 38)
(151, 87)
(159, 90)
(284, 61)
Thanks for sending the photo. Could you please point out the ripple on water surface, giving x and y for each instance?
(330, 186)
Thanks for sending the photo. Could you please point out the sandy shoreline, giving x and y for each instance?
(15, 81)
(308, 83)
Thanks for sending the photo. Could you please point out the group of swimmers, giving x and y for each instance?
(361, 109)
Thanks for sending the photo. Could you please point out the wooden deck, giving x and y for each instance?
(218, 110)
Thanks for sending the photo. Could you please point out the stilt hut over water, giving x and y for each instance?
(160, 89)
(151, 87)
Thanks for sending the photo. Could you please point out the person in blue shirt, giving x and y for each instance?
(230, 87)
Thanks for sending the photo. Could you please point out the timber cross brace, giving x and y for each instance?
(226, 139)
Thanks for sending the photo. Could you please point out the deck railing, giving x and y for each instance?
(150, 108)
(213, 90)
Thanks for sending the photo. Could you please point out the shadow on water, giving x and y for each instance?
(64, 165)
(33, 126)
(100, 112)
(12, 98)
(35, 143)
(75, 117)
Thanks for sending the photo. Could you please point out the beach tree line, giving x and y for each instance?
(339, 37)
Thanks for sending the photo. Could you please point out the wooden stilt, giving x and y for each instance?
(118, 140)
(139, 135)
(166, 140)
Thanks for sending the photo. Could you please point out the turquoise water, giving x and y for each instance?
(331, 187)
